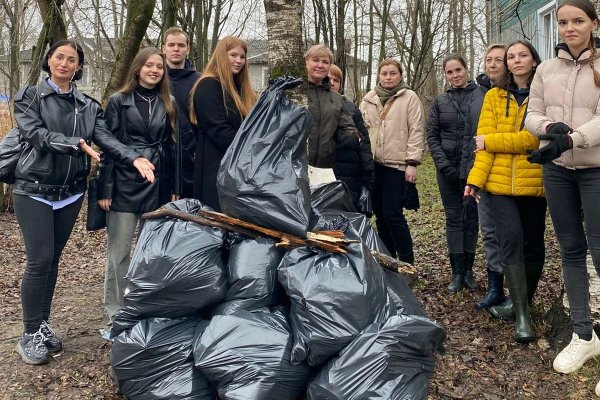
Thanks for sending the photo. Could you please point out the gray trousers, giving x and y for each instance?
(120, 229)
(491, 247)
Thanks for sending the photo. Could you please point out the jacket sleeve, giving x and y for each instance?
(434, 139)
(346, 124)
(212, 115)
(483, 159)
(366, 156)
(511, 142)
(536, 121)
(416, 133)
(106, 181)
(28, 117)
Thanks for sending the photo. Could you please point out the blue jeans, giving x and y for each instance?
(461, 216)
(491, 247)
(574, 202)
(388, 204)
(120, 230)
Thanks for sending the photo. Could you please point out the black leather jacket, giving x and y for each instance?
(53, 165)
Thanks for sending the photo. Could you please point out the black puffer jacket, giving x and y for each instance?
(451, 126)
(330, 122)
(354, 161)
(54, 167)
(121, 182)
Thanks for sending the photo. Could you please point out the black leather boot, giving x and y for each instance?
(517, 286)
(469, 278)
(495, 291)
(457, 261)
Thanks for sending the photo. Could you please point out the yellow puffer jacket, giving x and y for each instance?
(502, 168)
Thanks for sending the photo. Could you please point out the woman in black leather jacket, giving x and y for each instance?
(142, 115)
(58, 125)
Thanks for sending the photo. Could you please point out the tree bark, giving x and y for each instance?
(139, 13)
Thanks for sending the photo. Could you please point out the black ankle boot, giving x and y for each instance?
(457, 261)
(495, 291)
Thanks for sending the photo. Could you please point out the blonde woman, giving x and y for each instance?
(221, 98)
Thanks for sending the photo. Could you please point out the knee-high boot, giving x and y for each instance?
(517, 286)
(469, 278)
(505, 311)
(457, 261)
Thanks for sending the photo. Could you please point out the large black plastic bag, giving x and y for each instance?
(331, 196)
(176, 269)
(405, 301)
(263, 177)
(154, 361)
(252, 274)
(247, 356)
(390, 360)
(333, 297)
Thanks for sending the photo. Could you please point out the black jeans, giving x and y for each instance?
(388, 205)
(574, 203)
(462, 221)
(520, 223)
(45, 233)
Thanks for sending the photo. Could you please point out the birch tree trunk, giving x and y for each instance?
(284, 29)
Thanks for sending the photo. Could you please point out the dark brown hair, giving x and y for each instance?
(454, 57)
(66, 42)
(506, 80)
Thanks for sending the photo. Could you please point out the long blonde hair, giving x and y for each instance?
(219, 67)
(133, 77)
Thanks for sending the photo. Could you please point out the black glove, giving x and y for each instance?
(450, 173)
(557, 128)
(559, 143)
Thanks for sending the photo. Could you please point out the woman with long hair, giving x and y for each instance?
(58, 125)
(393, 113)
(563, 113)
(143, 116)
(514, 184)
(220, 99)
(451, 125)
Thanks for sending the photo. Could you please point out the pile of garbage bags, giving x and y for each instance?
(213, 314)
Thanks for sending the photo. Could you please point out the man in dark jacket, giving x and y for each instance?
(182, 75)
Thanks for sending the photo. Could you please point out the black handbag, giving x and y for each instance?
(11, 148)
(411, 197)
(96, 217)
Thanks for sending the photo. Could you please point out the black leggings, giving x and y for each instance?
(45, 233)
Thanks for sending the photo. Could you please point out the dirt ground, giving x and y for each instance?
(482, 360)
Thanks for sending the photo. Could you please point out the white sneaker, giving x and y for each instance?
(572, 357)
(598, 389)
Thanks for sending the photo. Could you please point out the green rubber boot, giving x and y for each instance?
(517, 286)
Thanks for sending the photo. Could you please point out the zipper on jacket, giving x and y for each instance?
(26, 158)
(575, 65)
(72, 135)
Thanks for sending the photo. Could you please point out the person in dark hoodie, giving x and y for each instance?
(353, 164)
(451, 126)
(182, 75)
(514, 184)
(331, 122)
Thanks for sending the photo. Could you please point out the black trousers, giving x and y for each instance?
(45, 233)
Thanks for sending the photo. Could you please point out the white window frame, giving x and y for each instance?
(547, 38)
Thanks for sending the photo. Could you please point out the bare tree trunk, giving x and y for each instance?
(53, 29)
(371, 38)
(139, 13)
(14, 27)
(340, 38)
(284, 28)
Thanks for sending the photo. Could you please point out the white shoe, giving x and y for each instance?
(577, 352)
(598, 389)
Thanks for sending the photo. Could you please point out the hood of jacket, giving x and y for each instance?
(562, 51)
(484, 80)
(179, 74)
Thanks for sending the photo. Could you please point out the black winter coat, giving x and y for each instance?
(215, 130)
(354, 161)
(330, 122)
(182, 81)
(451, 127)
(122, 183)
(53, 166)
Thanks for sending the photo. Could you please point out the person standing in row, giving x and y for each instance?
(451, 126)
(494, 68)
(353, 160)
(221, 98)
(563, 113)
(143, 116)
(394, 116)
(515, 185)
(58, 124)
(182, 76)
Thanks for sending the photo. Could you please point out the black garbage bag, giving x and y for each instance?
(403, 298)
(154, 361)
(333, 296)
(247, 356)
(390, 360)
(331, 196)
(176, 270)
(263, 177)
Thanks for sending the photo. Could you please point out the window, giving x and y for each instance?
(547, 36)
